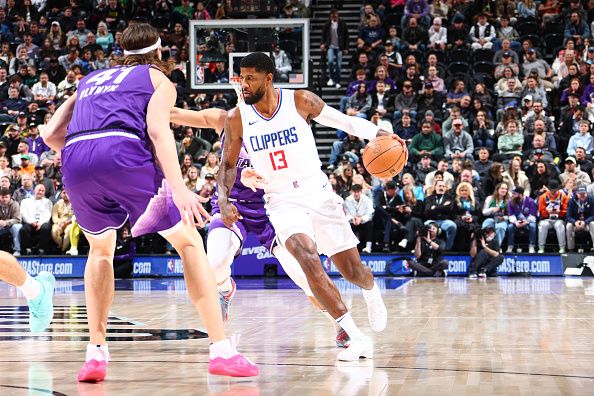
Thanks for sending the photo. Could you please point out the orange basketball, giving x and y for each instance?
(385, 157)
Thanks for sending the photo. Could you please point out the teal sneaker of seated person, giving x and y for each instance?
(41, 309)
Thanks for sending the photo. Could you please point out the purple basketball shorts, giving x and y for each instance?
(254, 220)
(114, 179)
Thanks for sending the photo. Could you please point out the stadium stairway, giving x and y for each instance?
(350, 13)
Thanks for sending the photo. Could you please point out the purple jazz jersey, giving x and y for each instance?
(113, 99)
(250, 205)
(108, 167)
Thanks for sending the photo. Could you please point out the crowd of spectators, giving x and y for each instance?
(495, 102)
(46, 47)
(497, 117)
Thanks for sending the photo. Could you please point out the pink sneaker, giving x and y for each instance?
(237, 366)
(93, 371)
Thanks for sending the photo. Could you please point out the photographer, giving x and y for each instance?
(486, 261)
(428, 251)
(386, 211)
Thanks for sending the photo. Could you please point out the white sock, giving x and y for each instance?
(369, 293)
(368, 245)
(222, 349)
(336, 325)
(31, 288)
(226, 286)
(97, 352)
(347, 323)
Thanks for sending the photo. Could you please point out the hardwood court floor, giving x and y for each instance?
(505, 336)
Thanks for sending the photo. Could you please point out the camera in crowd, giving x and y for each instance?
(481, 233)
(423, 231)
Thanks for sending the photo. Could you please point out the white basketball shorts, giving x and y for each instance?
(320, 215)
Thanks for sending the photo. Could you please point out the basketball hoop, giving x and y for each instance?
(235, 82)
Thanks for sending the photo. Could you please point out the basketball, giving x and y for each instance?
(384, 157)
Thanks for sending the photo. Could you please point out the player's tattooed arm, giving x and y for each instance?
(228, 168)
(309, 105)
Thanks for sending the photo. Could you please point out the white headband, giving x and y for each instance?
(144, 50)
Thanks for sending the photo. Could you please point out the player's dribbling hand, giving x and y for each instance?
(382, 132)
(251, 179)
(191, 210)
(229, 214)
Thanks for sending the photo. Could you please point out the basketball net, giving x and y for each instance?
(235, 82)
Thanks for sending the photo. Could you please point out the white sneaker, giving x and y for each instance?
(562, 250)
(376, 309)
(330, 83)
(366, 250)
(358, 348)
(541, 250)
(531, 249)
(510, 249)
(72, 252)
(519, 250)
(337, 85)
(403, 243)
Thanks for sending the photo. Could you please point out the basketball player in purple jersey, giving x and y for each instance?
(38, 291)
(224, 244)
(107, 134)
(274, 127)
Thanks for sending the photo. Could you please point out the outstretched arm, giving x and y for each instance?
(54, 134)
(311, 107)
(228, 168)
(207, 118)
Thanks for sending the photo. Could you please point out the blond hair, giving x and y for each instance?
(468, 186)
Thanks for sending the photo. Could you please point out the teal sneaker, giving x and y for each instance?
(41, 309)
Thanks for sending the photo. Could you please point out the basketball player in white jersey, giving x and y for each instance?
(273, 125)
(224, 244)
(38, 291)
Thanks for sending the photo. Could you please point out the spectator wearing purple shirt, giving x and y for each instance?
(352, 88)
(522, 214)
(588, 95)
(381, 74)
(35, 142)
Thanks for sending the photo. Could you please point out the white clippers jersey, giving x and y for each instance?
(282, 148)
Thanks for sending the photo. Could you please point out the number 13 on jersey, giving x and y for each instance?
(278, 160)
